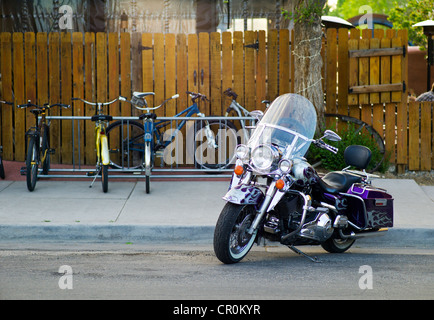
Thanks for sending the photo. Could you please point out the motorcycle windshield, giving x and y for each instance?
(288, 124)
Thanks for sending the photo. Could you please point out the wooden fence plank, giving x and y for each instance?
(216, 76)
(125, 73)
(261, 71)
(89, 95)
(385, 68)
(343, 71)
(55, 91)
(374, 72)
(204, 65)
(413, 136)
(331, 80)
(6, 110)
(159, 72)
(193, 64)
(19, 95)
(66, 78)
(147, 66)
(169, 52)
(364, 67)
(249, 72)
(396, 72)
(425, 136)
(284, 61)
(113, 72)
(353, 44)
(78, 91)
(238, 43)
(272, 75)
(227, 67)
(42, 67)
(181, 71)
(390, 133)
(30, 80)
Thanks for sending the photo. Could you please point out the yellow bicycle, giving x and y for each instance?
(101, 142)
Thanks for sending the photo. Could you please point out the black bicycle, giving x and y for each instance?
(38, 143)
(2, 168)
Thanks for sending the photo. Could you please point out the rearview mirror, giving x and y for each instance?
(331, 135)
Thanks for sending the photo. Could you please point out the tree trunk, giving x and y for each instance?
(307, 57)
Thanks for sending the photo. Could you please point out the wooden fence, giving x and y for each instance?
(363, 77)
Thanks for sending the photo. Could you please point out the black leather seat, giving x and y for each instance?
(338, 181)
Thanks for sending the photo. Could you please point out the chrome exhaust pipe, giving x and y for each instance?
(361, 235)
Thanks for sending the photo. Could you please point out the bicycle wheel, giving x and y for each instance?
(45, 149)
(342, 121)
(126, 140)
(2, 169)
(215, 144)
(104, 178)
(32, 163)
(148, 166)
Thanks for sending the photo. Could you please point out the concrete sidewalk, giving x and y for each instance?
(174, 211)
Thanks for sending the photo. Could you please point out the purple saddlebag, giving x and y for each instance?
(378, 203)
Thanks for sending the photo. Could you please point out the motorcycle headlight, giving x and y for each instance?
(263, 157)
(242, 152)
(285, 165)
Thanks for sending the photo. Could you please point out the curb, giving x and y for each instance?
(398, 237)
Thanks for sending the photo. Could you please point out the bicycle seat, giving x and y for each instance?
(101, 117)
(338, 181)
(142, 94)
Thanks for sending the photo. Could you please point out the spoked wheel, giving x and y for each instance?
(126, 140)
(215, 144)
(32, 164)
(232, 241)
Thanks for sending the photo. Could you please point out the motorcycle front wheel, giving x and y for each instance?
(232, 242)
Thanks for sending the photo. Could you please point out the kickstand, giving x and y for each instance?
(314, 259)
(96, 175)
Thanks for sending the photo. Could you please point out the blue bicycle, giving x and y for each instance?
(134, 145)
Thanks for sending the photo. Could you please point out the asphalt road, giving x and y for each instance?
(137, 271)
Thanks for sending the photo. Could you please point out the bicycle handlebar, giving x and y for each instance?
(6, 102)
(46, 105)
(101, 103)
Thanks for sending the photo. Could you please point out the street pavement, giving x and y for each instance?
(175, 211)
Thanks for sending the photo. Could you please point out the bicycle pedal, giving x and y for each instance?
(23, 171)
(91, 173)
(114, 151)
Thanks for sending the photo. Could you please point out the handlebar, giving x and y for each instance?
(321, 144)
(100, 103)
(45, 106)
(6, 102)
(196, 95)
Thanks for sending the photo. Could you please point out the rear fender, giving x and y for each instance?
(244, 194)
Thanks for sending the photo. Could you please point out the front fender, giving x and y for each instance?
(244, 194)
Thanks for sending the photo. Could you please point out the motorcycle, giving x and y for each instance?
(277, 195)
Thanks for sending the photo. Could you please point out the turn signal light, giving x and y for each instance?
(280, 184)
(239, 170)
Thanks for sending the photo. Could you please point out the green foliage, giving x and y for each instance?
(404, 16)
(350, 136)
(306, 12)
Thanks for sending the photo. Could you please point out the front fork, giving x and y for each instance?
(208, 133)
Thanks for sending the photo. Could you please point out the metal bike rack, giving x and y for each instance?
(172, 172)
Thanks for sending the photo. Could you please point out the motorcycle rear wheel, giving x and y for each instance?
(334, 245)
(232, 242)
